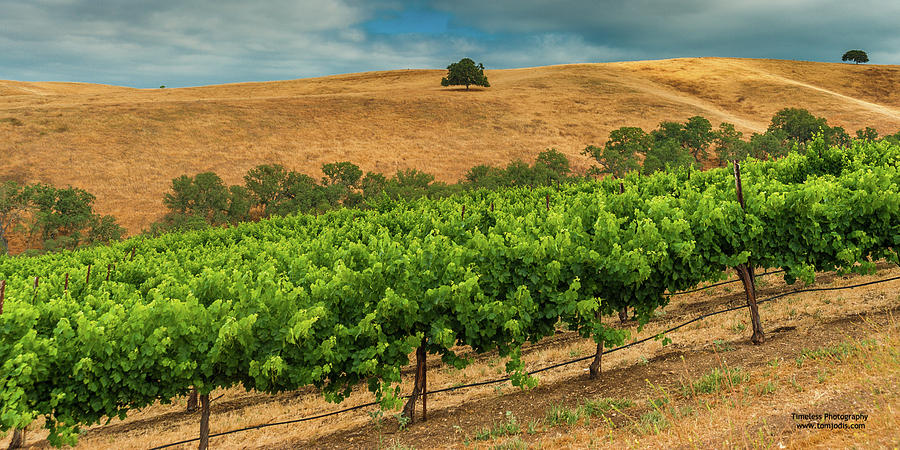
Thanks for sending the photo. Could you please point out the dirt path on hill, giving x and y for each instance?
(869, 106)
(668, 93)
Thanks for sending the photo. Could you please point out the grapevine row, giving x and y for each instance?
(344, 298)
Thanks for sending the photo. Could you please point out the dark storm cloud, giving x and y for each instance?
(807, 29)
(170, 42)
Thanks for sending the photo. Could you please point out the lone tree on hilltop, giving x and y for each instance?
(857, 56)
(465, 72)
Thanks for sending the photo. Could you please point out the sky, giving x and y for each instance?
(190, 43)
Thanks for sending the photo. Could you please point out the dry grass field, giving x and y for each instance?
(826, 352)
(125, 145)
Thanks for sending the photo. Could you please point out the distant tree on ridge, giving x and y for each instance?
(857, 56)
(465, 73)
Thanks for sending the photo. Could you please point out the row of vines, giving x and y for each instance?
(345, 298)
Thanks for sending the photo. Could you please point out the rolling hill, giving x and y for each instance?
(125, 145)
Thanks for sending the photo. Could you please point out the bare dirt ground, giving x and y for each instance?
(126, 145)
(826, 352)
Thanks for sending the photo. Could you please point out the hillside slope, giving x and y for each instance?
(125, 145)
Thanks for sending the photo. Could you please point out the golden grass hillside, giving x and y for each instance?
(125, 145)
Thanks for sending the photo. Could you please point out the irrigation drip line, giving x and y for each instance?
(265, 425)
(829, 288)
(721, 283)
(543, 369)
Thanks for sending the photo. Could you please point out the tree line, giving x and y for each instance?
(49, 218)
(271, 189)
(689, 144)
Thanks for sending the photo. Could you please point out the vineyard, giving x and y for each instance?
(342, 299)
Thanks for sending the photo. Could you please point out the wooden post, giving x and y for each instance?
(463, 215)
(740, 196)
(745, 271)
(409, 410)
(548, 202)
(737, 184)
(108, 270)
(192, 400)
(204, 421)
(36, 279)
(18, 439)
(2, 294)
(87, 280)
(595, 369)
(424, 357)
(66, 287)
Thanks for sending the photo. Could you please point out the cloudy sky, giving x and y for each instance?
(199, 42)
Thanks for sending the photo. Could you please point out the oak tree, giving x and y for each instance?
(465, 73)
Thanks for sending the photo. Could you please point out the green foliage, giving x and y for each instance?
(694, 136)
(716, 380)
(801, 126)
(894, 139)
(838, 352)
(550, 166)
(559, 415)
(485, 176)
(60, 212)
(61, 218)
(867, 134)
(465, 73)
(409, 184)
(857, 56)
(203, 195)
(797, 123)
(666, 155)
(837, 136)
(300, 193)
(507, 428)
(729, 145)
(343, 298)
(773, 143)
(104, 229)
(619, 155)
(554, 162)
(344, 173)
(205, 199)
(373, 184)
(13, 207)
(267, 184)
(239, 204)
(697, 136)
